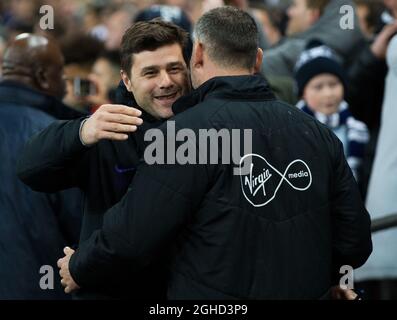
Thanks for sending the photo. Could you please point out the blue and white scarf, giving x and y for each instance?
(353, 133)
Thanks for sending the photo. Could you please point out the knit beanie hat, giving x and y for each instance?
(316, 59)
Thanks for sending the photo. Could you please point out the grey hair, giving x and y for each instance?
(230, 37)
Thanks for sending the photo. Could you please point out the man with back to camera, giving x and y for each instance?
(99, 155)
(226, 236)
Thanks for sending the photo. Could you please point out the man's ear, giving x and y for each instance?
(258, 62)
(198, 54)
(41, 78)
(126, 80)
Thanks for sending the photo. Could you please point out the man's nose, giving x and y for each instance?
(165, 80)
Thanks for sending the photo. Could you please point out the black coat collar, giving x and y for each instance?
(247, 87)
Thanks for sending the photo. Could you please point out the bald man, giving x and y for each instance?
(34, 226)
(36, 62)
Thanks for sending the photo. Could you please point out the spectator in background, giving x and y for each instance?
(105, 76)
(369, 14)
(389, 15)
(196, 8)
(379, 276)
(34, 226)
(321, 83)
(380, 272)
(80, 51)
(311, 19)
(367, 73)
(93, 21)
(118, 21)
(20, 16)
(271, 19)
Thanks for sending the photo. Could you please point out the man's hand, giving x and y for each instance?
(110, 121)
(63, 264)
(379, 47)
(337, 293)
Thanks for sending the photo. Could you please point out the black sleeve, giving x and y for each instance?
(54, 159)
(351, 223)
(158, 205)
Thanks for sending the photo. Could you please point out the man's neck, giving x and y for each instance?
(217, 72)
(24, 80)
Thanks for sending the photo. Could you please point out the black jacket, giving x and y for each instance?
(282, 230)
(367, 76)
(34, 227)
(55, 159)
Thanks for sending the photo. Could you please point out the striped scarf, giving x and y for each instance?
(357, 135)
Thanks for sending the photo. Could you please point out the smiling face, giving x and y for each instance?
(157, 79)
(324, 93)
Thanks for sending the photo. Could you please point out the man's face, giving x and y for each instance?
(362, 12)
(55, 75)
(105, 73)
(324, 93)
(300, 17)
(116, 24)
(158, 79)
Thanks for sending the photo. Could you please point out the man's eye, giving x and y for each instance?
(175, 69)
(149, 73)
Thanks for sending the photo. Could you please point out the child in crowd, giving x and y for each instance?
(321, 85)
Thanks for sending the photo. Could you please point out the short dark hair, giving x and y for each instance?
(149, 35)
(230, 36)
(80, 48)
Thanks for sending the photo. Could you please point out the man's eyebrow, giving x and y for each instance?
(175, 64)
(155, 67)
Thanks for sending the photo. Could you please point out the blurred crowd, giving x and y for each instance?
(343, 76)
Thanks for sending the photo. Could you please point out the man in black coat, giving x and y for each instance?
(34, 226)
(100, 154)
(278, 223)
